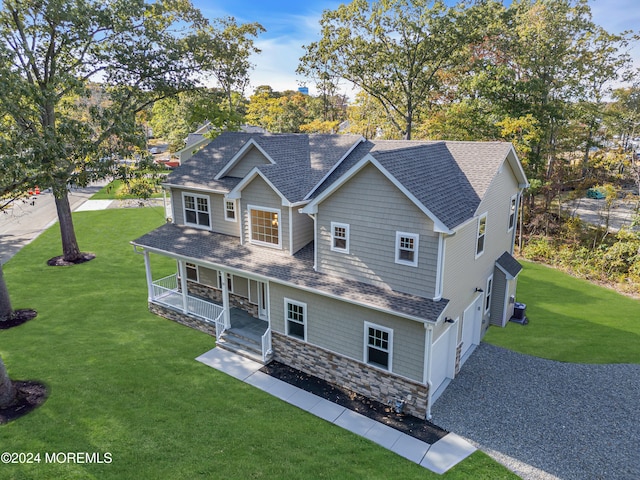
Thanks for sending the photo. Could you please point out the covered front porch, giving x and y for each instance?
(217, 306)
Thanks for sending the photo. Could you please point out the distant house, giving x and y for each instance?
(375, 265)
(198, 139)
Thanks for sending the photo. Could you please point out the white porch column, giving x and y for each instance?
(182, 267)
(225, 300)
(147, 269)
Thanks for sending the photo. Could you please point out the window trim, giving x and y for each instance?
(389, 351)
(487, 295)
(234, 203)
(416, 243)
(250, 208)
(287, 302)
(335, 225)
(483, 236)
(513, 209)
(195, 200)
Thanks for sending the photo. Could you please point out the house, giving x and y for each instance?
(375, 265)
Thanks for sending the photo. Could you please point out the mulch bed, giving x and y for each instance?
(61, 262)
(29, 393)
(18, 317)
(413, 426)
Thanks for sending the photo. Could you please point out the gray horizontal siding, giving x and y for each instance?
(252, 158)
(339, 327)
(375, 210)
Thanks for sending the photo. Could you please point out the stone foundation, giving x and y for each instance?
(183, 319)
(356, 376)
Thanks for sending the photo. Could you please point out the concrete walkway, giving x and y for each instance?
(439, 457)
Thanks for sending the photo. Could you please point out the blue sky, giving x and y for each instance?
(291, 24)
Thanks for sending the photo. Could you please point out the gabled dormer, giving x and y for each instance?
(245, 160)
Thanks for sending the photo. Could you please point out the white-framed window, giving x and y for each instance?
(230, 211)
(196, 210)
(340, 237)
(512, 212)
(481, 234)
(487, 294)
(264, 226)
(295, 318)
(378, 346)
(407, 248)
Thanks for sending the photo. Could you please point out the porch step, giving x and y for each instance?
(242, 345)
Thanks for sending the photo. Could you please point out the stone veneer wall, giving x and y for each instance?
(215, 295)
(182, 318)
(458, 357)
(356, 376)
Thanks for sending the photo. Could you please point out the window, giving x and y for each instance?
(512, 212)
(340, 237)
(192, 272)
(407, 248)
(482, 230)
(378, 345)
(487, 295)
(265, 226)
(295, 318)
(230, 210)
(196, 210)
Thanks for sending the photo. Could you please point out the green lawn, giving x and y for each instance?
(571, 320)
(125, 382)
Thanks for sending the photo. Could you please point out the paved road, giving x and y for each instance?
(592, 210)
(23, 222)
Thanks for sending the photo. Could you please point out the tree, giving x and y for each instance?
(233, 44)
(51, 49)
(7, 390)
(394, 50)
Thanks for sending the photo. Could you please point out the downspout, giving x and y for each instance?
(428, 341)
(314, 217)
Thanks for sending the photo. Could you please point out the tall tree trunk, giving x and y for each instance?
(70, 249)
(5, 301)
(7, 390)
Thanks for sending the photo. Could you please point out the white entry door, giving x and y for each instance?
(471, 323)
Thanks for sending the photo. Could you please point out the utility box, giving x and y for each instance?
(519, 313)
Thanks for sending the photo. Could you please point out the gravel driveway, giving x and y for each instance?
(545, 419)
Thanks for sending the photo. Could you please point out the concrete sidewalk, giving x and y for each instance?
(439, 457)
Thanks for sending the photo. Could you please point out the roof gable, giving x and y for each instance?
(236, 160)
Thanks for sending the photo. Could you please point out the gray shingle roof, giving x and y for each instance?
(225, 251)
(448, 178)
(509, 264)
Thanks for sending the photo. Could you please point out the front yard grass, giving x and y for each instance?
(124, 381)
(117, 190)
(571, 320)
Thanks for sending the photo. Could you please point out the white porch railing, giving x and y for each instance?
(266, 344)
(165, 292)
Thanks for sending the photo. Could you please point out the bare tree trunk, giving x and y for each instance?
(5, 301)
(7, 390)
(70, 249)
